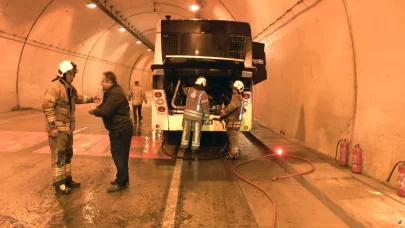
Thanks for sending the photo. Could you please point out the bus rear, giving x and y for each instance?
(221, 51)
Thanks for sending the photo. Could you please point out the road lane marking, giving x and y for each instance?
(173, 196)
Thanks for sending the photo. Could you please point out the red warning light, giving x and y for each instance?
(279, 151)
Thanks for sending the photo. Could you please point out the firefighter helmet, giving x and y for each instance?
(201, 81)
(239, 86)
(65, 66)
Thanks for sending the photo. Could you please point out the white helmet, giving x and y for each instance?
(65, 66)
(201, 81)
(239, 86)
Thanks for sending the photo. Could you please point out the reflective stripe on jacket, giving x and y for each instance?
(234, 112)
(197, 104)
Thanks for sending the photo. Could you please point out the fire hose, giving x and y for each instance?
(274, 178)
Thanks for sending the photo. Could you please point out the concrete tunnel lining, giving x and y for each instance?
(309, 50)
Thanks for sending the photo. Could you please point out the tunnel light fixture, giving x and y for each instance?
(138, 42)
(149, 49)
(121, 29)
(91, 5)
(194, 7)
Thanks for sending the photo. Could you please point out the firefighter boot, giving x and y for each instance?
(60, 187)
(233, 156)
(71, 183)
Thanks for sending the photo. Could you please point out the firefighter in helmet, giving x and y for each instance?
(233, 114)
(59, 109)
(197, 109)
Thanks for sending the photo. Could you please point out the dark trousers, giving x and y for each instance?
(135, 109)
(120, 144)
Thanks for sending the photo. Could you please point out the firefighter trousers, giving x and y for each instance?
(196, 125)
(61, 156)
(233, 141)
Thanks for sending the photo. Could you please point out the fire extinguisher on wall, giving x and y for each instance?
(401, 178)
(357, 159)
(344, 152)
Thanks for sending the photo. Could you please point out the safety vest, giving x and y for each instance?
(197, 104)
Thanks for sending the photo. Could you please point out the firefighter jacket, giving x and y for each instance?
(197, 105)
(59, 105)
(234, 112)
(114, 110)
(137, 95)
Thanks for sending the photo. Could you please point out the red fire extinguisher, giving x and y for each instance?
(344, 153)
(401, 180)
(357, 159)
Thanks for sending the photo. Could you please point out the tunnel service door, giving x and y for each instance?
(259, 61)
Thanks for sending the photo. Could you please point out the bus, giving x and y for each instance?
(221, 51)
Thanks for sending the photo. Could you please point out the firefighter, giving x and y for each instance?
(197, 109)
(233, 114)
(59, 109)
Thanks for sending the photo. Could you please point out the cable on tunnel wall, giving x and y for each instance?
(22, 51)
(354, 71)
(157, 11)
(49, 47)
(91, 50)
(115, 68)
(279, 18)
(227, 9)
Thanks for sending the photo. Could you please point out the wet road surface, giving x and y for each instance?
(209, 194)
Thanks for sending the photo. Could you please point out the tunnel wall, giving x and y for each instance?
(335, 71)
(36, 36)
(334, 66)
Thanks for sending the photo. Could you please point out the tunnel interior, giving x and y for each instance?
(334, 67)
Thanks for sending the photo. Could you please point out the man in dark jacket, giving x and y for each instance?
(115, 113)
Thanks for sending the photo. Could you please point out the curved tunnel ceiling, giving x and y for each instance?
(53, 30)
(49, 31)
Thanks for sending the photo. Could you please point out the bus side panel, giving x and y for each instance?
(247, 119)
(159, 118)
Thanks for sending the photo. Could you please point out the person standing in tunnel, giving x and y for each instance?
(233, 113)
(137, 95)
(116, 118)
(59, 109)
(197, 109)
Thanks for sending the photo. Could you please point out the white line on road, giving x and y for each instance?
(173, 196)
(81, 129)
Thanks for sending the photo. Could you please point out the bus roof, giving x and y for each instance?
(204, 26)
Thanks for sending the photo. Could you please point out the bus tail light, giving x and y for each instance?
(161, 109)
(158, 94)
(159, 102)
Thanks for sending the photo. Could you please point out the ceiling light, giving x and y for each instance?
(91, 5)
(149, 49)
(194, 7)
(138, 42)
(121, 29)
